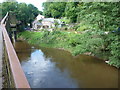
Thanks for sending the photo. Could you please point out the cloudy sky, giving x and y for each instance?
(37, 3)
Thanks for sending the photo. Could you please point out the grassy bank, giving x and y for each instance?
(90, 43)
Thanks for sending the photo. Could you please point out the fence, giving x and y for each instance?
(15, 75)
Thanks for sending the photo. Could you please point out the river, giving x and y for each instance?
(54, 68)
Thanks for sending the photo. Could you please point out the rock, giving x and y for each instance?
(88, 53)
(29, 73)
(107, 61)
(106, 32)
(32, 47)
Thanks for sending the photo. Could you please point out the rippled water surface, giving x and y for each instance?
(53, 68)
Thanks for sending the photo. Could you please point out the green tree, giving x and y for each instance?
(9, 6)
(54, 9)
(33, 12)
(24, 13)
(71, 11)
(102, 16)
(46, 9)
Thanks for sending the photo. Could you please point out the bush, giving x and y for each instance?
(114, 48)
(87, 43)
(65, 20)
(82, 28)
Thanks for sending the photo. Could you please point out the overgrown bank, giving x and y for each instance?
(91, 42)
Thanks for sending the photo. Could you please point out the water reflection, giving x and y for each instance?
(53, 68)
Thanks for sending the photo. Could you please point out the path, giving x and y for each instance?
(1, 49)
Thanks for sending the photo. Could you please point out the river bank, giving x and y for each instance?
(90, 43)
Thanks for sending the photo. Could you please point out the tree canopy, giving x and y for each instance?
(54, 9)
(25, 13)
(99, 14)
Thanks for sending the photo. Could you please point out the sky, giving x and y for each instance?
(36, 3)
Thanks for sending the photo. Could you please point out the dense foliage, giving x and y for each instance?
(96, 17)
(101, 15)
(24, 13)
(54, 9)
(75, 43)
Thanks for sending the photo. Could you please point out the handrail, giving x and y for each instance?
(19, 78)
(4, 19)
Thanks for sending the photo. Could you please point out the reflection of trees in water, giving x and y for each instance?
(58, 56)
(86, 70)
(23, 50)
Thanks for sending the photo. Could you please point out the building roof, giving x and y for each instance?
(48, 19)
(39, 17)
(58, 20)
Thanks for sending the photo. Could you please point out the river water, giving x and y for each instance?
(53, 68)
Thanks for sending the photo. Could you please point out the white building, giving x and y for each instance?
(48, 23)
(45, 23)
(36, 23)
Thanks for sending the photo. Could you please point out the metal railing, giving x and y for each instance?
(15, 72)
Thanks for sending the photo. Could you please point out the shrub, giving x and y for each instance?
(82, 28)
(114, 48)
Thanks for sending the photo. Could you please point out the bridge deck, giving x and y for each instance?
(1, 49)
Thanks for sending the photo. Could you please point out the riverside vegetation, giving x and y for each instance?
(93, 20)
(91, 42)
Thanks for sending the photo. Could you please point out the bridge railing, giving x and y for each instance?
(15, 74)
